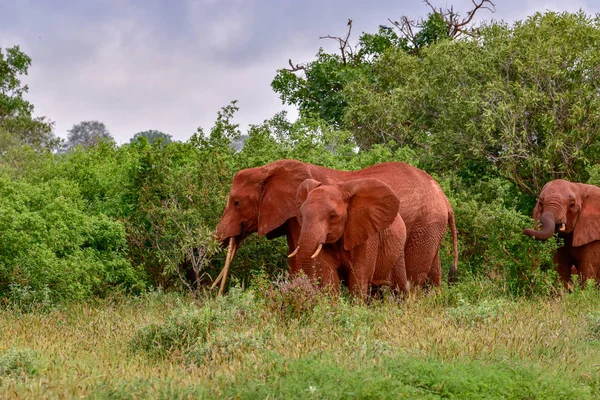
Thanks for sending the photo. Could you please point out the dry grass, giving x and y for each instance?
(461, 343)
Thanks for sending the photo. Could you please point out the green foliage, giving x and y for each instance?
(17, 124)
(13, 64)
(16, 363)
(466, 313)
(51, 247)
(87, 133)
(492, 242)
(317, 87)
(179, 332)
(433, 29)
(236, 347)
(151, 136)
(503, 102)
(320, 376)
(293, 299)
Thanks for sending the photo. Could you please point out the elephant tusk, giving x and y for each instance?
(561, 227)
(317, 252)
(294, 252)
(231, 250)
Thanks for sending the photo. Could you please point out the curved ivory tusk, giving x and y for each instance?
(318, 251)
(294, 252)
(561, 227)
(231, 249)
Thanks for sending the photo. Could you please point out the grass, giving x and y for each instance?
(471, 341)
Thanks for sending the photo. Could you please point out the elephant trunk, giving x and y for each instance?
(227, 228)
(548, 227)
(308, 247)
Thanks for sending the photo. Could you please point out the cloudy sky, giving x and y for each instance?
(171, 64)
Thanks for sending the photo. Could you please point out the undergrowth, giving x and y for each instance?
(472, 340)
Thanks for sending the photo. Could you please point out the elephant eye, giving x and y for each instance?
(236, 203)
(332, 217)
(572, 205)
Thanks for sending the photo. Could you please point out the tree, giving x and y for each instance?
(152, 135)
(87, 133)
(517, 101)
(17, 124)
(317, 87)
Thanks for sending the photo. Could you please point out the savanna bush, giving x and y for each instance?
(51, 248)
(18, 363)
(492, 243)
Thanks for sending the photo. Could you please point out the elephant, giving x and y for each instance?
(354, 226)
(263, 200)
(572, 210)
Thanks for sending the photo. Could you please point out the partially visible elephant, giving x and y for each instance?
(352, 226)
(263, 200)
(572, 210)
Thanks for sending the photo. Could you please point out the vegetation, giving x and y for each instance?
(151, 136)
(106, 251)
(469, 342)
(87, 133)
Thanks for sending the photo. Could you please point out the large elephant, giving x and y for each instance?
(263, 200)
(354, 227)
(572, 210)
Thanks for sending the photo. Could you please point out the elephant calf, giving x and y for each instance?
(352, 228)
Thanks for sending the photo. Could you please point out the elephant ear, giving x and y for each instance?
(372, 207)
(278, 202)
(587, 228)
(304, 189)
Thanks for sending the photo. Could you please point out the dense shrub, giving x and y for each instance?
(15, 363)
(49, 244)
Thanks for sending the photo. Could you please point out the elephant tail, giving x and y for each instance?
(454, 267)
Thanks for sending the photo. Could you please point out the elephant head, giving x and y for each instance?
(568, 208)
(352, 211)
(261, 200)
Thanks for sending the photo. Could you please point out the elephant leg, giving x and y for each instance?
(422, 247)
(359, 288)
(400, 280)
(358, 283)
(435, 273)
(329, 277)
(563, 262)
(588, 261)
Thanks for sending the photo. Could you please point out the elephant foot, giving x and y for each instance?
(381, 282)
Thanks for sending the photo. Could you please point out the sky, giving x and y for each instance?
(171, 65)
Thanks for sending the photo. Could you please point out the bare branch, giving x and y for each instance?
(455, 25)
(345, 49)
(297, 67)
(471, 13)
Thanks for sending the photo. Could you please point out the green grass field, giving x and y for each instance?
(283, 341)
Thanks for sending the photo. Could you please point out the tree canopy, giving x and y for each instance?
(17, 123)
(87, 133)
(152, 135)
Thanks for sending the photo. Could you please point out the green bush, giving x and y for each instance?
(492, 243)
(179, 332)
(52, 248)
(16, 363)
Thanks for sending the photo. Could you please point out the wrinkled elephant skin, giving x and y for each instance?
(573, 211)
(358, 228)
(262, 200)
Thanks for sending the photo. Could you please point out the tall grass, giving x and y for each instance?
(470, 341)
